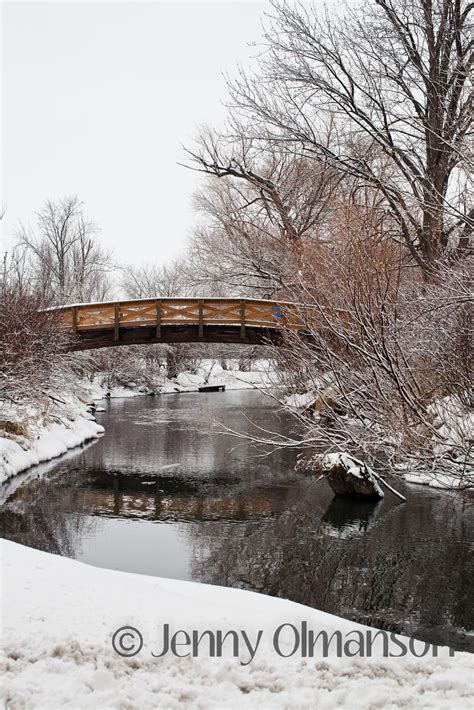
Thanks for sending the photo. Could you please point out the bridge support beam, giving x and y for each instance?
(242, 319)
(158, 317)
(201, 317)
(74, 321)
(117, 322)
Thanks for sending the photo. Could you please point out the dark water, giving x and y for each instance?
(160, 494)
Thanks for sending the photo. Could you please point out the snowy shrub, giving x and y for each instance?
(33, 354)
(386, 353)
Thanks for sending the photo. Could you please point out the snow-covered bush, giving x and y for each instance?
(33, 354)
(386, 354)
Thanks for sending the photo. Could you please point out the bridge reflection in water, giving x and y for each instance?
(157, 499)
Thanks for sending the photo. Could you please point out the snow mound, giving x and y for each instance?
(60, 617)
(47, 435)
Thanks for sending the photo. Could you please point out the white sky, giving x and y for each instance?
(97, 98)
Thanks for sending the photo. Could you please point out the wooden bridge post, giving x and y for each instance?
(201, 317)
(74, 321)
(116, 322)
(158, 317)
(242, 319)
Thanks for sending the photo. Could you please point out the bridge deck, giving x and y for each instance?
(218, 320)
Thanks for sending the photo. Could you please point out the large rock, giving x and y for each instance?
(349, 477)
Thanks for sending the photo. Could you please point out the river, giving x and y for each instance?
(163, 494)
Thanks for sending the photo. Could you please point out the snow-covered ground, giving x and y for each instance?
(455, 426)
(30, 435)
(441, 480)
(261, 376)
(59, 617)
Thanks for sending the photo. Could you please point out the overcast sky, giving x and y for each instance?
(97, 99)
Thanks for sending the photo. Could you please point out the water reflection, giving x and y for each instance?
(185, 498)
(411, 571)
(345, 517)
(32, 516)
(159, 495)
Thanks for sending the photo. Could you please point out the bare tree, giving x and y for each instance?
(69, 263)
(258, 214)
(391, 80)
(153, 280)
(291, 192)
(17, 272)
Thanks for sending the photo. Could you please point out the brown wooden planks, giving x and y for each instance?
(195, 312)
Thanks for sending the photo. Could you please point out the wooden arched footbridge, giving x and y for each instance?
(177, 320)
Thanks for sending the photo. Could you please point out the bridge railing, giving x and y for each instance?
(179, 311)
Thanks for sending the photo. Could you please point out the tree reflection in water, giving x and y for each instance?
(40, 515)
(341, 558)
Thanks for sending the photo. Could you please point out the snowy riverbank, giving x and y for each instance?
(60, 616)
(30, 435)
(261, 376)
(453, 423)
